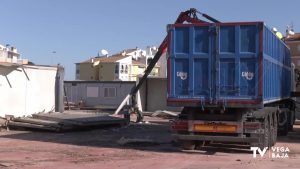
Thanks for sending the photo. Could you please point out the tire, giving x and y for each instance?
(271, 131)
(267, 136)
(274, 133)
(291, 118)
(264, 139)
(284, 129)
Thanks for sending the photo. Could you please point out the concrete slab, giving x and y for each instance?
(81, 118)
(70, 120)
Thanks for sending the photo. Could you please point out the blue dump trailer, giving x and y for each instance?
(234, 81)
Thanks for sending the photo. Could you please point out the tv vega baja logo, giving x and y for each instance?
(274, 152)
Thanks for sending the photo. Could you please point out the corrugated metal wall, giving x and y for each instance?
(276, 68)
(242, 63)
(98, 94)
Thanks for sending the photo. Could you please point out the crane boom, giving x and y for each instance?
(186, 16)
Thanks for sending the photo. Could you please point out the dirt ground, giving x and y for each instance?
(103, 148)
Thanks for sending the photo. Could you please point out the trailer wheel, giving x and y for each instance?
(271, 131)
(291, 119)
(284, 126)
(284, 130)
(273, 134)
(264, 138)
(188, 145)
(267, 136)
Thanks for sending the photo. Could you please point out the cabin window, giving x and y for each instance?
(110, 92)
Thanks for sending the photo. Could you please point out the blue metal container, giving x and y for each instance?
(227, 64)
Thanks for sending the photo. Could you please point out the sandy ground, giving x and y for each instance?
(101, 148)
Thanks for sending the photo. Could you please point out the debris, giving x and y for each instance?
(38, 121)
(144, 122)
(137, 141)
(5, 164)
(65, 121)
(81, 119)
(2, 122)
(146, 113)
(29, 125)
(164, 113)
(70, 105)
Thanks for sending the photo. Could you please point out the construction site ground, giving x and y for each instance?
(144, 146)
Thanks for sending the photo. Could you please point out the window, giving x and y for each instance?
(148, 61)
(92, 91)
(298, 48)
(126, 69)
(77, 68)
(110, 92)
(117, 69)
(122, 68)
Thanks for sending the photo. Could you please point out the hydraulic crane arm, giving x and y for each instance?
(187, 16)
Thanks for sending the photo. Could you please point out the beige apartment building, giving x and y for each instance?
(119, 67)
(137, 69)
(103, 68)
(88, 70)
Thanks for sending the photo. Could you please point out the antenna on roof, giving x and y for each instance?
(290, 29)
(103, 53)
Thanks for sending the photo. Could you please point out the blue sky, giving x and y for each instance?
(78, 29)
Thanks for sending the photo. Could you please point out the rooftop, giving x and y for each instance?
(126, 51)
(294, 37)
(104, 59)
(110, 59)
(135, 62)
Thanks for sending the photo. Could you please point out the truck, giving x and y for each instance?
(234, 81)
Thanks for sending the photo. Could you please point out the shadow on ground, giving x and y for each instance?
(292, 137)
